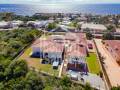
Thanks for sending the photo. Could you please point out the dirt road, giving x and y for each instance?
(112, 68)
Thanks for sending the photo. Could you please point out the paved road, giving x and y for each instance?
(112, 68)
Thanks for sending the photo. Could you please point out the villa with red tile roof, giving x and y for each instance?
(53, 48)
(113, 46)
(48, 49)
(76, 55)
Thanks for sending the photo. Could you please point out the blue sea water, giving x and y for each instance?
(61, 8)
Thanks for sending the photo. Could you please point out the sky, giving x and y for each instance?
(57, 1)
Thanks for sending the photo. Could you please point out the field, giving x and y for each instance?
(93, 64)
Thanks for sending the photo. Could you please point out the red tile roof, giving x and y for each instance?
(77, 50)
(48, 45)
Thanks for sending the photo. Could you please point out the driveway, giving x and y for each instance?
(112, 68)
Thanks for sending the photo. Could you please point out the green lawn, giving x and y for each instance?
(36, 63)
(93, 64)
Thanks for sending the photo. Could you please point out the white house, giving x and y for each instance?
(48, 49)
(5, 25)
(40, 24)
(94, 28)
(66, 23)
(16, 23)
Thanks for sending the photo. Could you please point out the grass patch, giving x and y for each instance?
(36, 63)
(93, 64)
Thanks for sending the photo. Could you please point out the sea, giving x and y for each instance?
(98, 9)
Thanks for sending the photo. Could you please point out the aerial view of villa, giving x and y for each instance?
(59, 45)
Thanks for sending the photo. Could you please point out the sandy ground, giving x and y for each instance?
(112, 68)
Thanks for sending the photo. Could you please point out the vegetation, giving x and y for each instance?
(73, 24)
(89, 36)
(108, 36)
(51, 26)
(93, 64)
(7, 16)
(111, 28)
(13, 42)
(87, 87)
(115, 88)
(16, 76)
(65, 83)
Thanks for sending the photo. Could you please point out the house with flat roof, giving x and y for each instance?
(93, 28)
(113, 46)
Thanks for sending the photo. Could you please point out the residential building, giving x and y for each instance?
(5, 25)
(93, 28)
(16, 23)
(76, 58)
(66, 23)
(39, 24)
(48, 49)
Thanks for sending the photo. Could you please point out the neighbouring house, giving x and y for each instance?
(76, 51)
(113, 46)
(66, 19)
(39, 24)
(81, 19)
(60, 28)
(16, 23)
(76, 54)
(36, 24)
(93, 28)
(63, 29)
(5, 25)
(66, 23)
